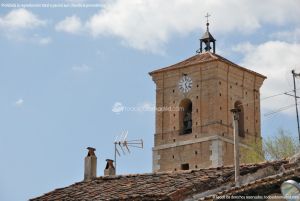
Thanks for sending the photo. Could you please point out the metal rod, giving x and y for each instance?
(235, 113)
(116, 157)
(135, 146)
(291, 95)
(124, 145)
(295, 95)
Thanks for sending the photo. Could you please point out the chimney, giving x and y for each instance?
(90, 165)
(109, 169)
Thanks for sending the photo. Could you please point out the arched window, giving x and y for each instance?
(239, 105)
(185, 117)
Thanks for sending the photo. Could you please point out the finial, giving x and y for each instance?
(207, 23)
(207, 16)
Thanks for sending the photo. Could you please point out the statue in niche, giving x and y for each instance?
(187, 122)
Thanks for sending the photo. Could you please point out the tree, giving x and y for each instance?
(252, 152)
(281, 145)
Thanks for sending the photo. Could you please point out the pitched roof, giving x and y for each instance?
(203, 58)
(155, 186)
(264, 186)
(207, 35)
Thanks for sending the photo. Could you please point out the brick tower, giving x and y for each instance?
(193, 119)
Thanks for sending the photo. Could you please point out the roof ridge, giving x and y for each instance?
(202, 58)
(214, 55)
(112, 177)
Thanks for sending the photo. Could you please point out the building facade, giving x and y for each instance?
(194, 126)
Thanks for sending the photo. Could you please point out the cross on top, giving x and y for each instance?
(207, 16)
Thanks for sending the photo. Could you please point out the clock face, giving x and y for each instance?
(185, 84)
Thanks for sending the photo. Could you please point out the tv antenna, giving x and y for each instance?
(121, 143)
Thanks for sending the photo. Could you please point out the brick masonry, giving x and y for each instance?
(217, 85)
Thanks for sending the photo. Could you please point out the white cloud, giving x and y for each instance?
(20, 19)
(70, 25)
(29, 38)
(19, 102)
(37, 39)
(44, 40)
(245, 47)
(149, 24)
(275, 59)
(19, 24)
(291, 36)
(81, 68)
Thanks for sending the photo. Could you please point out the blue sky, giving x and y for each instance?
(63, 69)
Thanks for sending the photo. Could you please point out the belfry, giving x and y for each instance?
(207, 39)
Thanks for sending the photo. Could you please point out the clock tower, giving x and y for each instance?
(193, 122)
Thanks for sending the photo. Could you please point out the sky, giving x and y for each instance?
(68, 65)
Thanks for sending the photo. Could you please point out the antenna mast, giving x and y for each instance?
(124, 144)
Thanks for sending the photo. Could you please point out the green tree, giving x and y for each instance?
(282, 145)
(252, 152)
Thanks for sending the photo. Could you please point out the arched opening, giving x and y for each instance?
(239, 105)
(185, 117)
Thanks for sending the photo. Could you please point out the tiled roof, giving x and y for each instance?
(155, 186)
(202, 58)
(263, 186)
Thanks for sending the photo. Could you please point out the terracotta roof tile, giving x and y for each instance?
(202, 58)
(155, 186)
(261, 185)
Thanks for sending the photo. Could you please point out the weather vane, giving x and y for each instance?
(124, 144)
